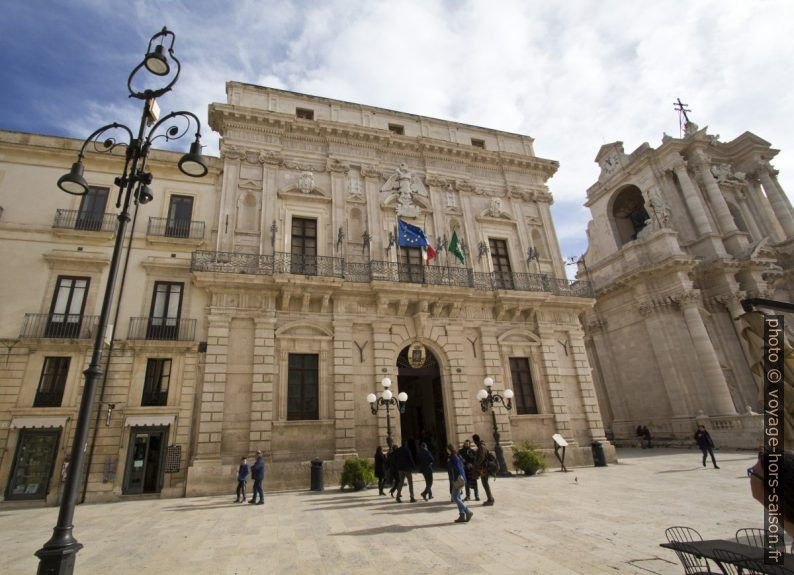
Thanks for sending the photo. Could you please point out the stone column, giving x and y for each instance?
(559, 405)
(263, 409)
(749, 216)
(654, 319)
(693, 200)
(461, 412)
(716, 199)
(716, 394)
(778, 200)
(586, 386)
(210, 424)
(768, 220)
(343, 400)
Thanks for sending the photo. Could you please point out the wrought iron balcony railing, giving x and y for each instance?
(77, 220)
(166, 228)
(59, 325)
(162, 328)
(365, 272)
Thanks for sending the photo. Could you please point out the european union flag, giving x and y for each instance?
(410, 236)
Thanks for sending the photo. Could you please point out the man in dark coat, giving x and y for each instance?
(394, 473)
(425, 461)
(469, 457)
(482, 455)
(706, 445)
(258, 475)
(405, 465)
(380, 469)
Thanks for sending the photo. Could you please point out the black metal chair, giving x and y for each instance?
(693, 564)
(752, 536)
(726, 562)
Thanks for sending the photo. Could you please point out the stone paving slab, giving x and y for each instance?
(588, 521)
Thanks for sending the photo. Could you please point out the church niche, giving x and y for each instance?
(628, 214)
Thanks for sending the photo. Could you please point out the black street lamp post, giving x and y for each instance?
(488, 399)
(388, 400)
(57, 556)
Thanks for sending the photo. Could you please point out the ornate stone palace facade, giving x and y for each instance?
(679, 236)
(268, 327)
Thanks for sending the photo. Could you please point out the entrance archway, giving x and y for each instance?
(423, 419)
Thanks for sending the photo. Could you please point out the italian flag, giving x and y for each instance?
(428, 253)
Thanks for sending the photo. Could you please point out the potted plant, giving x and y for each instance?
(357, 473)
(528, 459)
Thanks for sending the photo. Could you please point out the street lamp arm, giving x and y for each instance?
(108, 144)
(175, 131)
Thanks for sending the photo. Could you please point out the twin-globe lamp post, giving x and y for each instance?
(488, 399)
(388, 400)
(57, 556)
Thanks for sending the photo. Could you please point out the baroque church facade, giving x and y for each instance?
(680, 235)
(264, 303)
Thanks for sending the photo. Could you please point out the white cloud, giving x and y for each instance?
(573, 75)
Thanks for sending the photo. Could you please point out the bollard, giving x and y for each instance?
(317, 474)
(599, 458)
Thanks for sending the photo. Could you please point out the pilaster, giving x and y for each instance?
(210, 424)
(343, 400)
(493, 367)
(559, 403)
(263, 410)
(778, 200)
(584, 378)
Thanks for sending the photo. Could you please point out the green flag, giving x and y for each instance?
(454, 248)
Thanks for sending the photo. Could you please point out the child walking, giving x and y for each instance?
(242, 475)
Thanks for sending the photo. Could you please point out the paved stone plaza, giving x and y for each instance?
(588, 521)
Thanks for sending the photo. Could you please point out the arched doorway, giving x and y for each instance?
(423, 419)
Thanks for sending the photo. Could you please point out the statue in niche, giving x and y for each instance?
(452, 198)
(495, 208)
(408, 185)
(306, 182)
(659, 209)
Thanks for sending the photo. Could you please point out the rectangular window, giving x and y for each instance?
(478, 143)
(522, 386)
(397, 129)
(155, 386)
(166, 309)
(68, 303)
(411, 268)
(303, 258)
(304, 113)
(180, 212)
(302, 387)
(52, 382)
(503, 273)
(92, 209)
(33, 464)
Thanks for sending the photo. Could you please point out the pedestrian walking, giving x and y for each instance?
(457, 479)
(646, 436)
(481, 467)
(258, 475)
(469, 457)
(242, 476)
(394, 473)
(425, 461)
(380, 469)
(405, 467)
(706, 445)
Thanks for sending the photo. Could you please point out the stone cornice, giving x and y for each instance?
(224, 118)
(672, 264)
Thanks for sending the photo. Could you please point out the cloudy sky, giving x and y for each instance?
(573, 74)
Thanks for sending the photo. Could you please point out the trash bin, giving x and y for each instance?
(599, 459)
(317, 475)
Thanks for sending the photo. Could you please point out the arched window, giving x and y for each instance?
(628, 214)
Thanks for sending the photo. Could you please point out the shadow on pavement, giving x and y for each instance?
(392, 529)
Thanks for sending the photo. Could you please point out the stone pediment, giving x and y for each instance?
(304, 189)
(518, 336)
(255, 185)
(304, 329)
